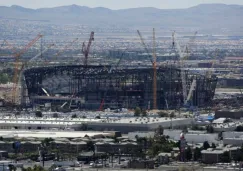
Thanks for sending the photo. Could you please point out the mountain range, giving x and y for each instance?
(204, 16)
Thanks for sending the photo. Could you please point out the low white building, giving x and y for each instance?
(192, 137)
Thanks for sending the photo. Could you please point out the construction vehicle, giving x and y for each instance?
(85, 50)
(153, 60)
(18, 66)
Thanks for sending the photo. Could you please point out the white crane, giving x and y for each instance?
(182, 55)
(39, 54)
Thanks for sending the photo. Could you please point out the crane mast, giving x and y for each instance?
(86, 50)
(17, 65)
(182, 56)
(154, 64)
(155, 73)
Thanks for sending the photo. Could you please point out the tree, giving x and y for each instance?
(159, 131)
(162, 114)
(74, 116)
(137, 111)
(84, 127)
(238, 156)
(210, 129)
(90, 146)
(188, 154)
(38, 114)
(4, 78)
(239, 129)
(144, 113)
(55, 115)
(225, 158)
(213, 145)
(47, 141)
(97, 117)
(172, 115)
(206, 145)
(197, 154)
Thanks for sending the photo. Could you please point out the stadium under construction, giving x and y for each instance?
(101, 87)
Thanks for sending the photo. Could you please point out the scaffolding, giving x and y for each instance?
(120, 88)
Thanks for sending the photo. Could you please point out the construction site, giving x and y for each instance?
(152, 85)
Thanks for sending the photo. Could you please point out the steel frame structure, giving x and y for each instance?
(120, 88)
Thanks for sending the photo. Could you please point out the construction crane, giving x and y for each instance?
(182, 55)
(109, 71)
(85, 50)
(13, 49)
(41, 53)
(17, 66)
(65, 47)
(153, 60)
(209, 73)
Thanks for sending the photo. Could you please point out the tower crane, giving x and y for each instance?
(17, 65)
(39, 54)
(182, 55)
(62, 50)
(13, 49)
(209, 73)
(85, 50)
(153, 60)
(109, 71)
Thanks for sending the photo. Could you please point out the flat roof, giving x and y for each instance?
(50, 134)
(72, 121)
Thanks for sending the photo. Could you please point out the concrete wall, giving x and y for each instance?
(228, 114)
(200, 138)
(232, 134)
(132, 135)
(233, 141)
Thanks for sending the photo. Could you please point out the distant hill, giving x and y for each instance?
(206, 16)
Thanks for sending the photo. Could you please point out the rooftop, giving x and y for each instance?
(49, 134)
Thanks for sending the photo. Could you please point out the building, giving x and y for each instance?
(92, 87)
(211, 156)
(141, 164)
(116, 148)
(192, 137)
(233, 114)
(103, 125)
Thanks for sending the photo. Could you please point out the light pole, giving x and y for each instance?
(119, 156)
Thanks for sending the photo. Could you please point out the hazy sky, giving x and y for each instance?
(115, 4)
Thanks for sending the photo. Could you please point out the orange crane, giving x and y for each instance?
(153, 60)
(17, 66)
(85, 49)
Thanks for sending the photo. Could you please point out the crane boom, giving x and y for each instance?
(145, 46)
(16, 65)
(14, 50)
(181, 65)
(86, 50)
(65, 47)
(39, 54)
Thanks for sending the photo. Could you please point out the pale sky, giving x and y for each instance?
(115, 4)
